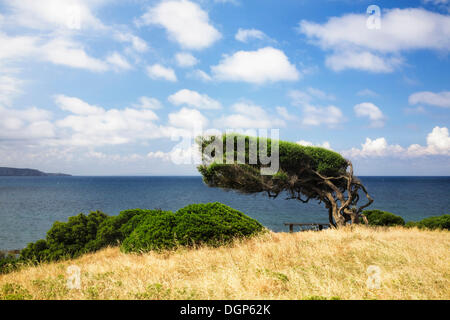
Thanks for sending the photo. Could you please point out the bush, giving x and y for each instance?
(439, 222)
(8, 263)
(139, 230)
(383, 218)
(66, 239)
(116, 228)
(211, 224)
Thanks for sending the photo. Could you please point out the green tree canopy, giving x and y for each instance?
(304, 173)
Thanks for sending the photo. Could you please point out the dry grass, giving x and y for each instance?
(329, 264)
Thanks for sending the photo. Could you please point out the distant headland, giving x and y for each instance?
(15, 172)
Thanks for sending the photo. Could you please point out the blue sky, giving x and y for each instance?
(106, 87)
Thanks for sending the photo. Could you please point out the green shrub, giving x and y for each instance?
(383, 218)
(438, 222)
(211, 224)
(154, 232)
(8, 263)
(115, 229)
(66, 239)
(138, 230)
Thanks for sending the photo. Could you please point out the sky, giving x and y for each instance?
(109, 87)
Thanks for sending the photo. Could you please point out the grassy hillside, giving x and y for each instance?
(310, 265)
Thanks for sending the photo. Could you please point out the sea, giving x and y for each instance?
(30, 205)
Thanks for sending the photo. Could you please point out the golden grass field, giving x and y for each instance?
(331, 264)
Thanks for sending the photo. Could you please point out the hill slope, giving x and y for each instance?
(14, 172)
(308, 265)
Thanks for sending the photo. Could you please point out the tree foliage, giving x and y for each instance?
(305, 173)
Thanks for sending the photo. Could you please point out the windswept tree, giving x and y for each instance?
(238, 162)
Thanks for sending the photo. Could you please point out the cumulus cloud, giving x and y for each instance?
(185, 59)
(354, 46)
(90, 125)
(438, 143)
(25, 124)
(302, 97)
(363, 60)
(10, 87)
(248, 116)
(51, 14)
(185, 22)
(264, 65)
(56, 24)
(200, 75)
(63, 51)
(368, 109)
(285, 114)
(330, 116)
(440, 99)
(158, 71)
(186, 118)
(118, 62)
(312, 114)
(148, 103)
(194, 99)
(243, 35)
(137, 44)
(60, 51)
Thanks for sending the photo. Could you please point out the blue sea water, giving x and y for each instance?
(30, 205)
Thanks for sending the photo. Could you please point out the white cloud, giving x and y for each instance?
(438, 144)
(303, 97)
(285, 114)
(368, 109)
(137, 43)
(316, 116)
(440, 99)
(365, 60)
(91, 125)
(243, 35)
(325, 145)
(158, 71)
(188, 119)
(185, 22)
(201, 75)
(179, 155)
(148, 103)
(77, 106)
(118, 62)
(159, 155)
(248, 116)
(16, 48)
(10, 87)
(26, 124)
(261, 66)
(353, 45)
(66, 52)
(367, 92)
(185, 59)
(58, 50)
(194, 99)
(51, 14)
